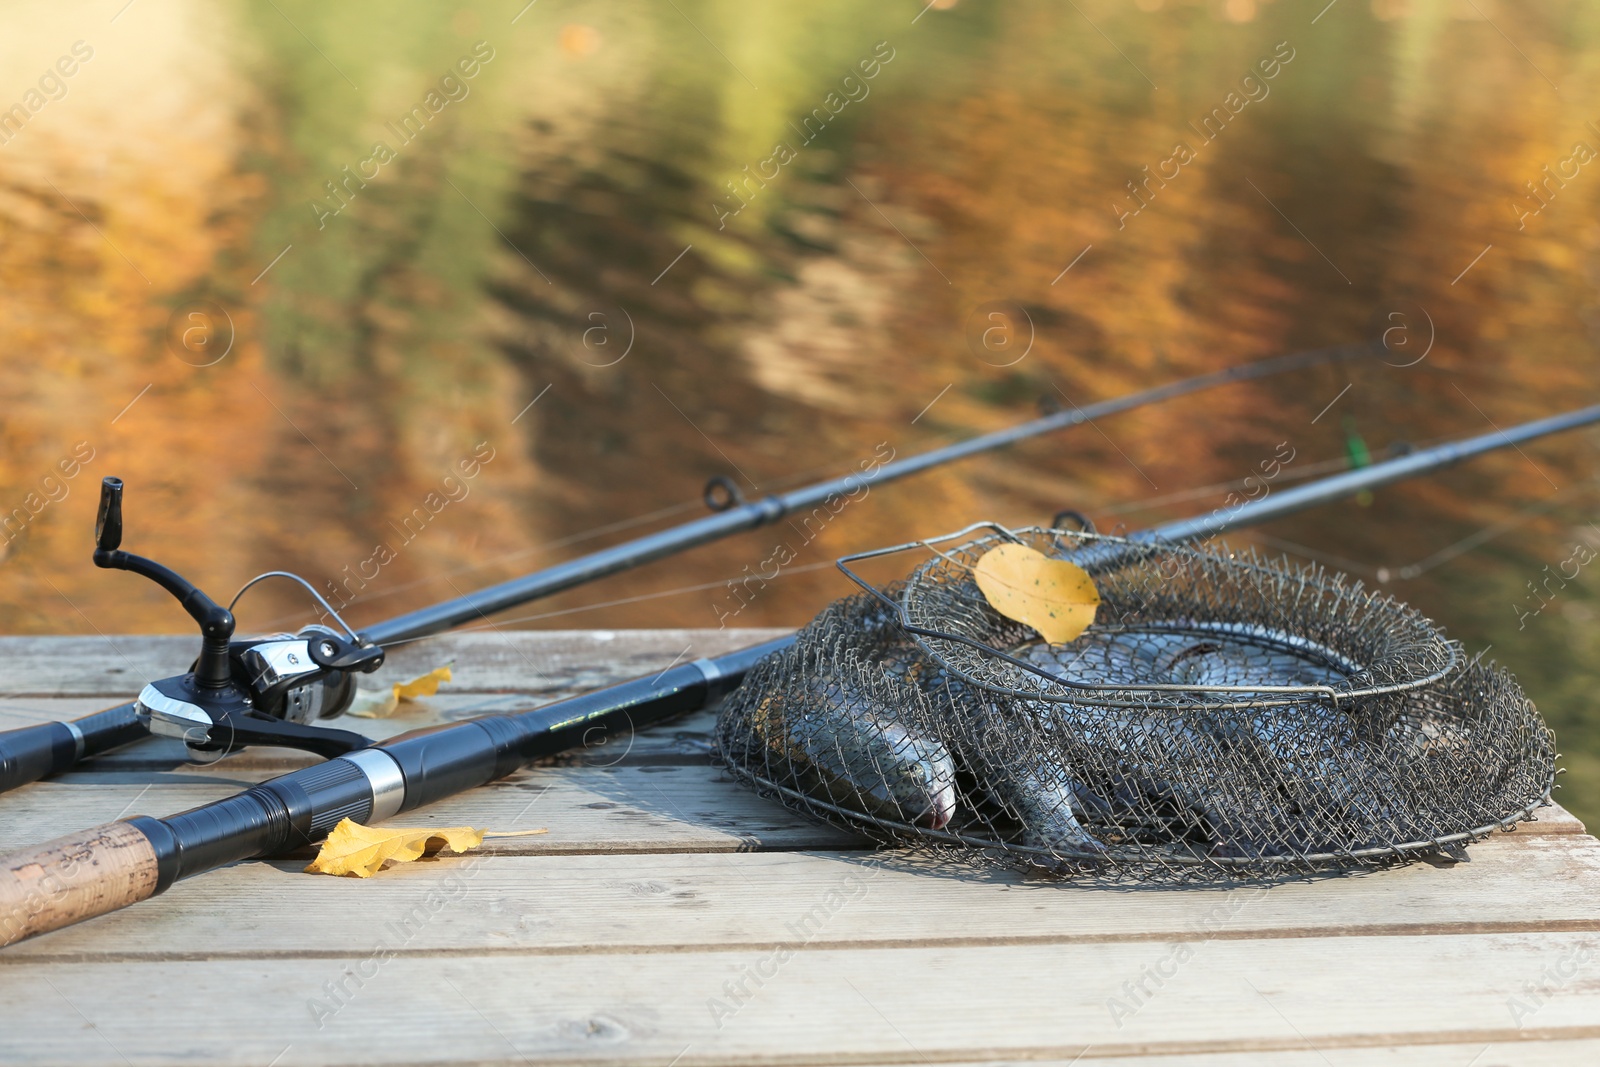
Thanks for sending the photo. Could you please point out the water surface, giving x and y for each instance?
(253, 267)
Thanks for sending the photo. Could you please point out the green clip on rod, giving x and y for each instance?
(33, 752)
(109, 867)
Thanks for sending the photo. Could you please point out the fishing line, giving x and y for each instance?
(445, 616)
(272, 690)
(583, 535)
(1288, 476)
(571, 539)
(1308, 472)
(785, 572)
(1442, 556)
(1149, 503)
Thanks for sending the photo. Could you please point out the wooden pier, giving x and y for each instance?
(671, 917)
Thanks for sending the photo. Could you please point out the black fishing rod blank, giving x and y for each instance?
(280, 686)
(1348, 483)
(109, 867)
(736, 514)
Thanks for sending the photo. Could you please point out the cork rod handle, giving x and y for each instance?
(45, 887)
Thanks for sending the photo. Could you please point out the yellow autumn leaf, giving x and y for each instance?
(363, 850)
(1055, 597)
(382, 704)
(374, 704)
(423, 686)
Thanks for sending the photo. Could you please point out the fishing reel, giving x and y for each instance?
(255, 691)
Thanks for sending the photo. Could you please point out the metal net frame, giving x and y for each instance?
(1226, 715)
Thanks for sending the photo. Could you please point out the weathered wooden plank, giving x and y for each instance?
(685, 740)
(533, 661)
(536, 661)
(629, 807)
(113, 666)
(740, 902)
(606, 940)
(1112, 999)
(588, 809)
(1531, 1054)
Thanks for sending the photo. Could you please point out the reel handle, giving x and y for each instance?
(108, 523)
(216, 622)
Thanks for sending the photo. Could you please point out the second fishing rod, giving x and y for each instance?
(274, 690)
(117, 864)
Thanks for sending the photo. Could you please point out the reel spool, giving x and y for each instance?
(255, 691)
(1224, 714)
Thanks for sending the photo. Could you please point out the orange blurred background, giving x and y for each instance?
(285, 340)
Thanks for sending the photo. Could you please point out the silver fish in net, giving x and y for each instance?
(827, 721)
(1225, 713)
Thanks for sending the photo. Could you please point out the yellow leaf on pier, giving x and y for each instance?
(381, 704)
(363, 850)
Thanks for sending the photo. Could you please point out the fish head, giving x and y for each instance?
(879, 765)
(920, 780)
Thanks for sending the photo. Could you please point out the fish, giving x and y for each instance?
(1044, 798)
(1021, 769)
(1412, 740)
(1154, 753)
(838, 719)
(840, 745)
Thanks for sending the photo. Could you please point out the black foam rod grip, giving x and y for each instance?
(34, 752)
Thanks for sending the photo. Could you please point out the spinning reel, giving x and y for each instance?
(255, 691)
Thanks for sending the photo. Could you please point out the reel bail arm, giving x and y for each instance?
(253, 692)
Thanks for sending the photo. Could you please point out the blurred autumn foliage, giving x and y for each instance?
(1374, 176)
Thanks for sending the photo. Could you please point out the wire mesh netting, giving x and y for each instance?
(1223, 714)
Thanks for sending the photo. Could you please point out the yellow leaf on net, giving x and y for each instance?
(363, 850)
(1055, 597)
(382, 704)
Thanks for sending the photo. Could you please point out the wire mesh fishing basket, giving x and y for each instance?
(1224, 714)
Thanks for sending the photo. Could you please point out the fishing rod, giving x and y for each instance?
(735, 514)
(109, 867)
(271, 691)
